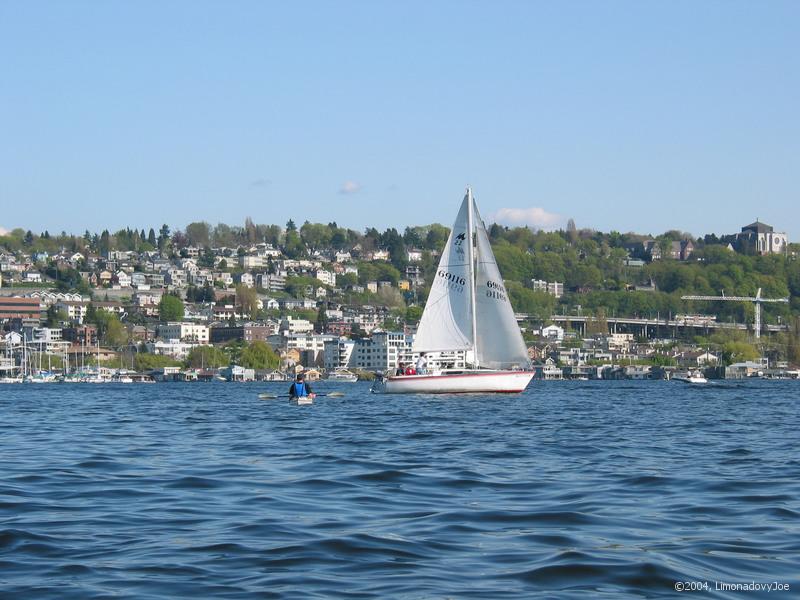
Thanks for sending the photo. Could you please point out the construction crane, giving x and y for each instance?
(757, 300)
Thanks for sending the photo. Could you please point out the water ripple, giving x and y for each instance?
(573, 489)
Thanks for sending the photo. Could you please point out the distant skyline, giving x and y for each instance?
(624, 116)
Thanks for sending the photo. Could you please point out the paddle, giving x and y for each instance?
(274, 396)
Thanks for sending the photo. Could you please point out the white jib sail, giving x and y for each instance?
(500, 344)
(446, 322)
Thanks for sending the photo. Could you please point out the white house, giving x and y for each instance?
(553, 332)
(269, 303)
(414, 255)
(32, 277)
(122, 279)
(326, 277)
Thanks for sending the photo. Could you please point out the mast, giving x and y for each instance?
(470, 258)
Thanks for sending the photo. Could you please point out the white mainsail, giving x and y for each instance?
(446, 323)
(499, 341)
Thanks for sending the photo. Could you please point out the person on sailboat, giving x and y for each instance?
(400, 370)
(422, 364)
(300, 389)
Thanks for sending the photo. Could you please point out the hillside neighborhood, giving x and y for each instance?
(264, 302)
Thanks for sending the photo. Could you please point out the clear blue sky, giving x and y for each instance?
(634, 116)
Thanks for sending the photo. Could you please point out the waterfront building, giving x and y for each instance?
(19, 308)
(338, 353)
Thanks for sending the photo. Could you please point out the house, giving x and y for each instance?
(297, 303)
(155, 280)
(744, 369)
(547, 371)
(32, 277)
(172, 348)
(175, 277)
(414, 255)
(341, 257)
(414, 275)
(372, 286)
(269, 303)
(237, 373)
(138, 279)
(701, 358)
(681, 250)
(378, 255)
(113, 307)
(104, 278)
(326, 277)
(146, 303)
(225, 278)
(245, 279)
(553, 332)
(122, 279)
(76, 310)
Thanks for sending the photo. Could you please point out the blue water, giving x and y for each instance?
(571, 490)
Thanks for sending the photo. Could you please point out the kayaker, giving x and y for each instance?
(300, 388)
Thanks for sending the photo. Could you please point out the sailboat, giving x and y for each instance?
(468, 311)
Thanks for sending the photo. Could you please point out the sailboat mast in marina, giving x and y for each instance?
(468, 311)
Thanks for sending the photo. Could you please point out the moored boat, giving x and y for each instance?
(342, 375)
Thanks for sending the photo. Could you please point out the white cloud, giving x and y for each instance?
(4, 231)
(534, 216)
(350, 187)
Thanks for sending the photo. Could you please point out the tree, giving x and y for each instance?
(315, 236)
(322, 321)
(56, 317)
(572, 232)
(207, 258)
(116, 335)
(151, 238)
(391, 297)
(247, 299)
(259, 355)
(170, 308)
(163, 236)
(413, 314)
(207, 357)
